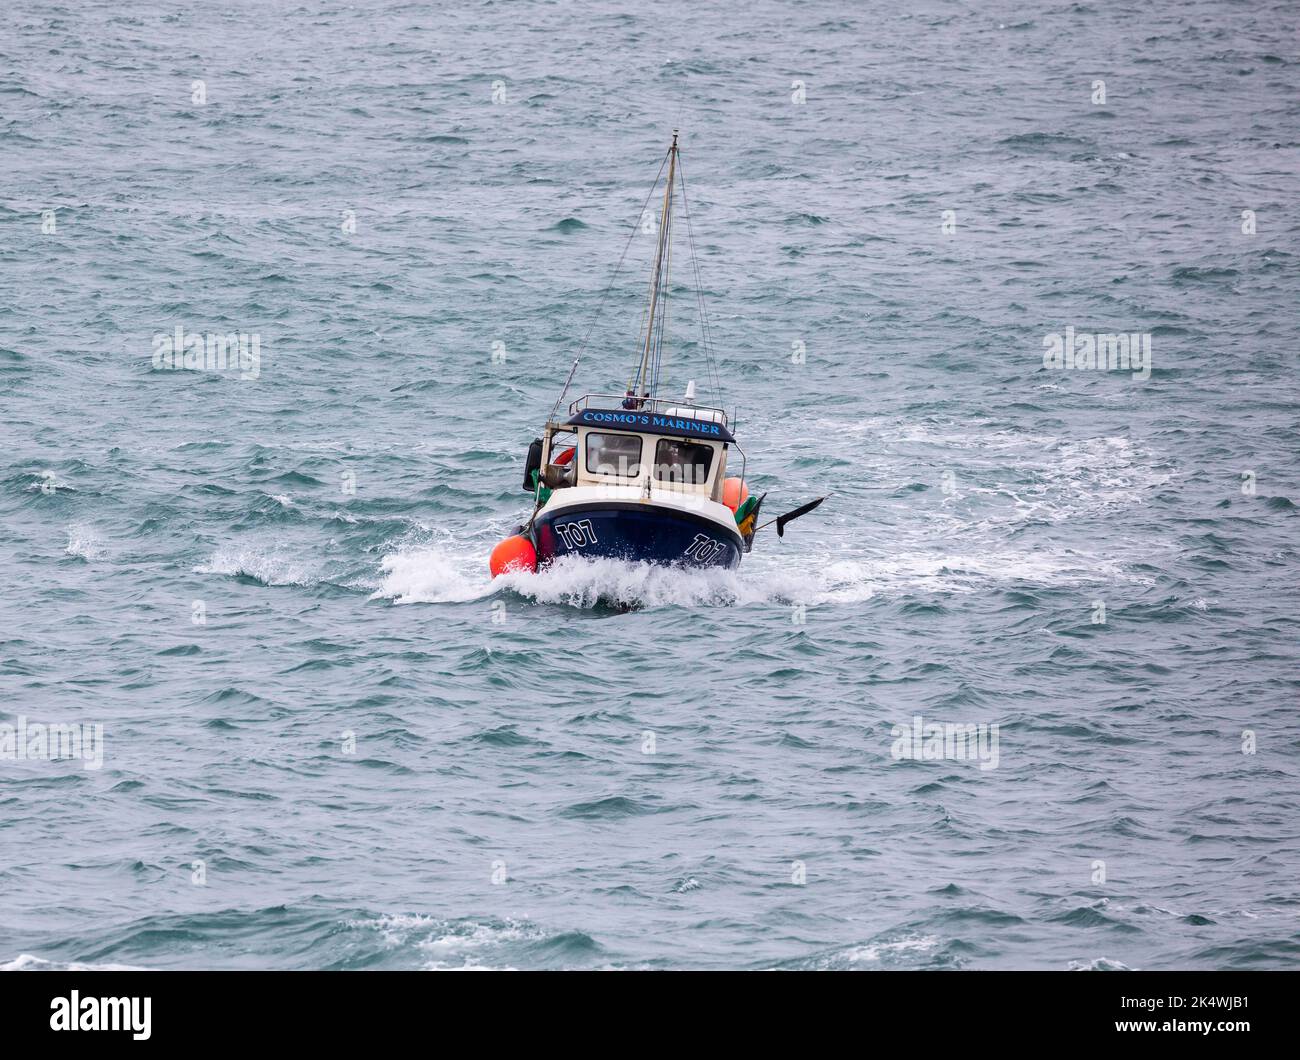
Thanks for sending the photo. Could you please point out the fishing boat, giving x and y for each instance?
(636, 476)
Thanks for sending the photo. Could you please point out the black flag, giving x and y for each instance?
(781, 520)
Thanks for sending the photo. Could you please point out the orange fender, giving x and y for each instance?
(514, 553)
(734, 493)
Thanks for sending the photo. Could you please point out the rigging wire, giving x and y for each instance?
(647, 379)
(713, 378)
(609, 286)
(706, 330)
(646, 320)
(663, 297)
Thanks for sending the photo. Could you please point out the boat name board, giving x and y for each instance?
(652, 423)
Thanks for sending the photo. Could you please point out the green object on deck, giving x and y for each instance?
(543, 492)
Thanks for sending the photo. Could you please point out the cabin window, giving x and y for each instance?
(686, 462)
(614, 454)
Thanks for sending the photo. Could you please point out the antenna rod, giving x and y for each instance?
(659, 258)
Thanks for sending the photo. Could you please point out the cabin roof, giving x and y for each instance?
(647, 422)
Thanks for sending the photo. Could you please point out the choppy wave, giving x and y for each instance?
(26, 962)
(269, 567)
(85, 542)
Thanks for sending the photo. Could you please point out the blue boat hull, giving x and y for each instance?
(636, 532)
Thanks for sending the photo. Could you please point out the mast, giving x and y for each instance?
(657, 276)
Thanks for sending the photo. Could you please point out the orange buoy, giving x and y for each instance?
(734, 493)
(514, 553)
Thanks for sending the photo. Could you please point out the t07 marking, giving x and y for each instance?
(578, 534)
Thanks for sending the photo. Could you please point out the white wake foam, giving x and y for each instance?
(432, 574)
(443, 574)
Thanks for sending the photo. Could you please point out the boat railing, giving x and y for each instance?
(675, 406)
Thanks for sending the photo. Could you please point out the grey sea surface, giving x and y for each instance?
(331, 741)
